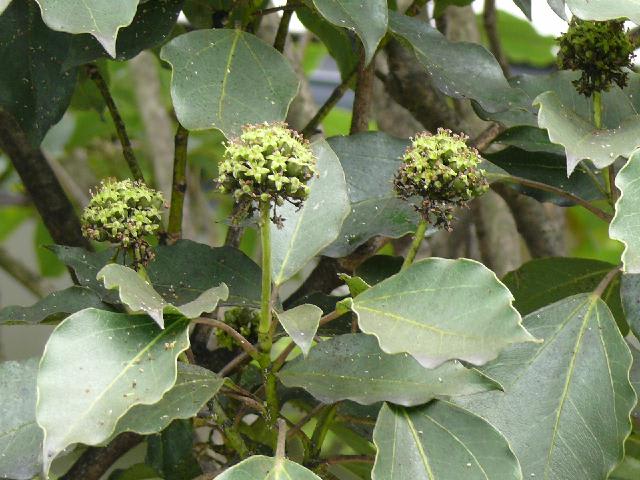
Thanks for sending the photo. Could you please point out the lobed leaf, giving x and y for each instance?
(625, 225)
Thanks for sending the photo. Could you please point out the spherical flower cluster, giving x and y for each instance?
(602, 51)
(267, 163)
(123, 213)
(443, 171)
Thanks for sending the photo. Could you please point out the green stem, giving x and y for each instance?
(597, 109)
(611, 174)
(322, 427)
(179, 185)
(415, 244)
(226, 425)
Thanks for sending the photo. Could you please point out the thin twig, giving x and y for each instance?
(237, 336)
(604, 283)
(322, 428)
(282, 438)
(283, 30)
(363, 95)
(298, 426)
(490, 20)
(237, 362)
(179, 185)
(250, 402)
(267, 11)
(127, 150)
(331, 102)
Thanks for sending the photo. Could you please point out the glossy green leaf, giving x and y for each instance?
(151, 25)
(625, 225)
(20, 436)
(440, 441)
(580, 138)
(440, 309)
(460, 70)
(549, 169)
(630, 296)
(543, 281)
(605, 9)
(194, 387)
(352, 367)
(90, 16)
(368, 18)
(531, 139)
(306, 232)
(53, 307)
(34, 87)
(95, 367)
(370, 160)
(576, 387)
(171, 452)
(260, 467)
(226, 78)
(301, 324)
(138, 294)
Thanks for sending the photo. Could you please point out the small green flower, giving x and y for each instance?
(268, 162)
(602, 51)
(123, 213)
(443, 171)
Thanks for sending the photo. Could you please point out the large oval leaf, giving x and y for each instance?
(306, 232)
(574, 386)
(460, 70)
(90, 16)
(625, 226)
(260, 467)
(440, 309)
(20, 435)
(368, 18)
(194, 387)
(95, 367)
(605, 9)
(226, 79)
(352, 367)
(370, 160)
(440, 441)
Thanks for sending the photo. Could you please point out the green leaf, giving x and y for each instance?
(579, 136)
(459, 70)
(356, 285)
(260, 467)
(52, 308)
(138, 294)
(352, 367)
(375, 269)
(171, 452)
(624, 226)
(559, 7)
(543, 281)
(370, 160)
(139, 471)
(368, 18)
(549, 169)
(576, 387)
(226, 79)
(306, 232)
(629, 469)
(194, 387)
(525, 6)
(440, 441)
(90, 16)
(301, 324)
(605, 10)
(95, 367)
(531, 139)
(630, 296)
(440, 309)
(34, 87)
(20, 436)
(151, 25)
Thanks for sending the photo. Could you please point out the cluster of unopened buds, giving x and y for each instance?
(438, 173)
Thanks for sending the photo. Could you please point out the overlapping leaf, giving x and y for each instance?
(138, 294)
(630, 296)
(576, 387)
(306, 232)
(301, 324)
(260, 467)
(440, 309)
(440, 441)
(625, 226)
(353, 367)
(604, 9)
(95, 367)
(20, 435)
(90, 16)
(370, 160)
(226, 78)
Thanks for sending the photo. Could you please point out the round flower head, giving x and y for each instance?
(268, 162)
(443, 170)
(600, 50)
(123, 213)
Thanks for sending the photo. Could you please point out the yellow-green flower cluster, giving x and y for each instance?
(268, 163)
(441, 170)
(122, 213)
(602, 51)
